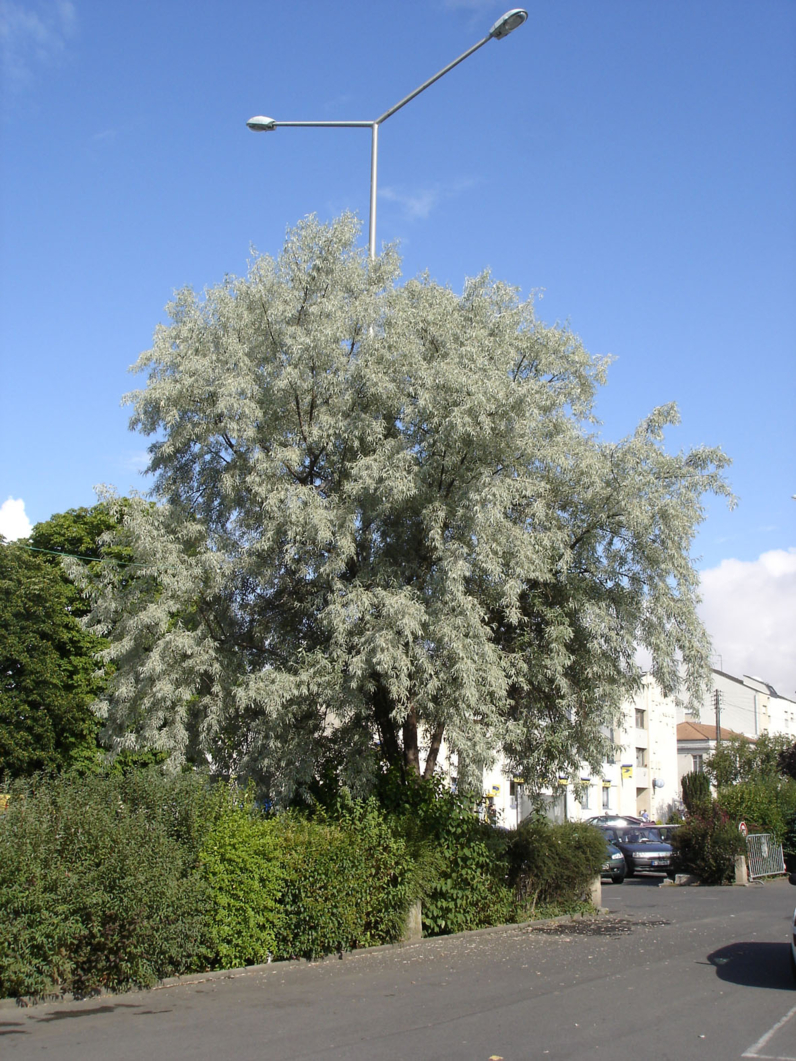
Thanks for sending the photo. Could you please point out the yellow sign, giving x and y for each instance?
(627, 771)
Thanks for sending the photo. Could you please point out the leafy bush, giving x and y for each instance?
(348, 881)
(789, 844)
(786, 761)
(766, 805)
(461, 869)
(98, 887)
(469, 890)
(741, 758)
(696, 792)
(553, 865)
(241, 862)
(706, 846)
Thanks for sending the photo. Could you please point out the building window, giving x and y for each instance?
(640, 718)
(606, 798)
(584, 798)
(641, 756)
(697, 763)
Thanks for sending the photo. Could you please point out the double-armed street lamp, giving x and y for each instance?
(504, 25)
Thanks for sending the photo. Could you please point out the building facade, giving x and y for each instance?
(656, 743)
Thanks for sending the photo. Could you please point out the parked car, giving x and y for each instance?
(792, 879)
(614, 867)
(643, 849)
(615, 819)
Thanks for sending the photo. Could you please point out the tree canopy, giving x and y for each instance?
(48, 666)
(386, 520)
(739, 759)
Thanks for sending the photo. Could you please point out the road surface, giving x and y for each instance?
(672, 974)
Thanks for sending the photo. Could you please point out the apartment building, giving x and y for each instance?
(656, 743)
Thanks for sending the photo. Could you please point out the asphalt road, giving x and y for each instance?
(673, 973)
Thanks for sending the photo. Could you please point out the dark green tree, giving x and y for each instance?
(696, 792)
(48, 674)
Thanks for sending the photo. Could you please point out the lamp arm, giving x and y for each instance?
(431, 80)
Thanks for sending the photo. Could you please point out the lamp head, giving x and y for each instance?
(260, 124)
(508, 22)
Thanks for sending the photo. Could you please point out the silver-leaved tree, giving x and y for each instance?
(385, 521)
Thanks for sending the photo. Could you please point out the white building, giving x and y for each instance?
(657, 744)
(745, 705)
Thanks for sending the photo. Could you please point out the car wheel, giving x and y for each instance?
(792, 964)
(621, 880)
(630, 871)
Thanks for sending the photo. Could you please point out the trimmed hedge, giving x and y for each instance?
(553, 865)
(348, 882)
(97, 884)
(241, 862)
(119, 879)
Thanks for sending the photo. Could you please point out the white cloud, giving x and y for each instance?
(417, 205)
(137, 461)
(34, 35)
(749, 610)
(13, 521)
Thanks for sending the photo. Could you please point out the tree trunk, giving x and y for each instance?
(385, 724)
(411, 754)
(433, 751)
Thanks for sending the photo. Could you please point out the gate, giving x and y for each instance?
(764, 856)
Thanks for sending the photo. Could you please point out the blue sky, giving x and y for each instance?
(633, 161)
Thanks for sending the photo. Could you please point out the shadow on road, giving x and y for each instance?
(754, 965)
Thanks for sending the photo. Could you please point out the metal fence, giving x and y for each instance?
(763, 856)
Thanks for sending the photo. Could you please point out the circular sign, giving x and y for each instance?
(743, 830)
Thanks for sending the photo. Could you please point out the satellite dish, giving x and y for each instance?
(657, 782)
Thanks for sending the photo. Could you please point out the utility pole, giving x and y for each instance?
(717, 702)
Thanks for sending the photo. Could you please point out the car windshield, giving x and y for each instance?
(638, 836)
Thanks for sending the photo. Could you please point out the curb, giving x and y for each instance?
(249, 970)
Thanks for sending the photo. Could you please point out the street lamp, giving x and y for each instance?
(502, 28)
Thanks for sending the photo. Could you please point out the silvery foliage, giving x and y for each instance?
(377, 501)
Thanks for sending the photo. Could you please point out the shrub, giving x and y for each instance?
(469, 888)
(241, 863)
(696, 792)
(789, 844)
(766, 805)
(348, 881)
(96, 890)
(553, 865)
(746, 759)
(706, 846)
(461, 871)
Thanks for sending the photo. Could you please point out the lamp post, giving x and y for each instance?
(260, 124)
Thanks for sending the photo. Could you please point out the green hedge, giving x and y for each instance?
(241, 862)
(97, 883)
(553, 865)
(460, 867)
(119, 879)
(348, 881)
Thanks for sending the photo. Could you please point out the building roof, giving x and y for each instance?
(691, 731)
